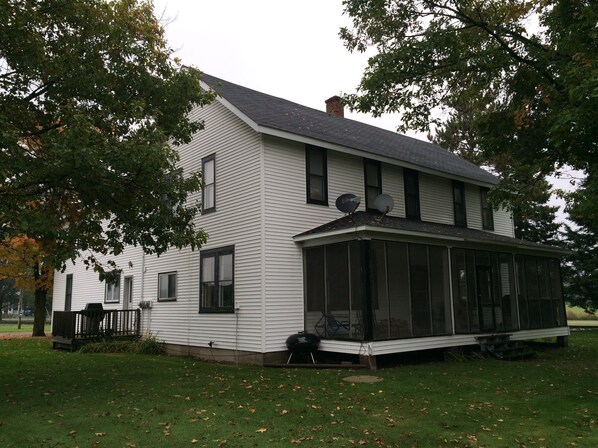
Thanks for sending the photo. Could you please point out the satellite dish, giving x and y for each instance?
(348, 202)
(384, 203)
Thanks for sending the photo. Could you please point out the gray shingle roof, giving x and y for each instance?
(373, 219)
(279, 114)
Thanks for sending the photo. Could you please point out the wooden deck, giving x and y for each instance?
(71, 329)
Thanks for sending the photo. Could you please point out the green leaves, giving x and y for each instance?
(90, 101)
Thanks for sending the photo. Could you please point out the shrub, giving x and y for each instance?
(146, 346)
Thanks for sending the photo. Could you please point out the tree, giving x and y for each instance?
(581, 265)
(539, 84)
(529, 192)
(8, 294)
(21, 260)
(92, 106)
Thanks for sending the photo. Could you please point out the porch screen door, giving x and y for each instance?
(485, 297)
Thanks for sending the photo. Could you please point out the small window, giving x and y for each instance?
(167, 286)
(217, 281)
(112, 291)
(487, 212)
(208, 190)
(411, 179)
(459, 203)
(373, 182)
(317, 175)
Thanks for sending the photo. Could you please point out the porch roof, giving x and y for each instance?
(376, 222)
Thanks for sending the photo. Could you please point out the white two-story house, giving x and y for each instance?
(436, 268)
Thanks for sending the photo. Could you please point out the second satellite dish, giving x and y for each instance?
(347, 203)
(384, 203)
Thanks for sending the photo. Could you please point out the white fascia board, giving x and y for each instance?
(361, 153)
(368, 232)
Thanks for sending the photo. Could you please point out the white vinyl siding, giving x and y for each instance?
(236, 222)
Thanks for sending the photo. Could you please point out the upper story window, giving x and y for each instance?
(317, 175)
(459, 203)
(112, 291)
(411, 179)
(167, 286)
(373, 182)
(208, 190)
(217, 287)
(487, 212)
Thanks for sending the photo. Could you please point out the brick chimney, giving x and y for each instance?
(334, 106)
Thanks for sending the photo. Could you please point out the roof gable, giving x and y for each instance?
(275, 113)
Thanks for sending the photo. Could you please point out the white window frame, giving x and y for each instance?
(167, 276)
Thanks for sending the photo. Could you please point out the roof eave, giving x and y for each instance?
(367, 231)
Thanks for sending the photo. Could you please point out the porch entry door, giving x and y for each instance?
(489, 308)
(128, 293)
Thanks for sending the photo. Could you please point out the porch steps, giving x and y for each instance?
(502, 347)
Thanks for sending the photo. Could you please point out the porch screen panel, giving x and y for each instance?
(460, 291)
(314, 281)
(533, 292)
(545, 294)
(499, 318)
(379, 290)
(315, 288)
(522, 293)
(439, 290)
(507, 288)
(398, 290)
(420, 290)
(472, 294)
(556, 291)
(356, 318)
(337, 299)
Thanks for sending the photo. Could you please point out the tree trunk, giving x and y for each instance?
(39, 317)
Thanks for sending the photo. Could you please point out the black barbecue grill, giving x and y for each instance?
(303, 343)
(93, 314)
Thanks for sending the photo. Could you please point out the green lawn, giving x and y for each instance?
(60, 399)
(26, 326)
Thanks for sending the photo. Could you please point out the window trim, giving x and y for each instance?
(216, 254)
(460, 187)
(204, 161)
(366, 181)
(106, 285)
(408, 172)
(310, 149)
(176, 286)
(68, 293)
(486, 210)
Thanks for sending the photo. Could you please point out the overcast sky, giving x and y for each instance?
(286, 48)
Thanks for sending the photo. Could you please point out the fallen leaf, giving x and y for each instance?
(262, 430)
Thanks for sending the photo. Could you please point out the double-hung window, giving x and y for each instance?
(217, 282)
(487, 212)
(167, 286)
(373, 182)
(459, 203)
(112, 290)
(411, 182)
(316, 175)
(208, 190)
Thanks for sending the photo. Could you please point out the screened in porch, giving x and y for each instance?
(378, 290)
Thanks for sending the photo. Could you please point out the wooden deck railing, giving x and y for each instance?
(80, 325)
